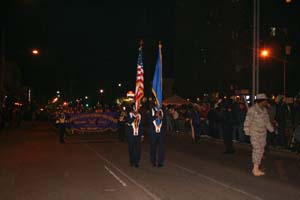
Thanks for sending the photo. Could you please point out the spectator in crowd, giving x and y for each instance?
(121, 123)
(271, 108)
(296, 124)
(215, 120)
(229, 122)
(296, 112)
(219, 118)
(240, 110)
(211, 117)
(169, 118)
(175, 116)
(194, 117)
(281, 118)
(203, 126)
(61, 121)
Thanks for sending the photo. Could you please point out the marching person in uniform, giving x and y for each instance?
(157, 120)
(256, 125)
(157, 125)
(135, 135)
(61, 121)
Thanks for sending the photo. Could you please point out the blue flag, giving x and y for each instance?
(157, 80)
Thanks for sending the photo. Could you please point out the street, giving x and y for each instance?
(35, 166)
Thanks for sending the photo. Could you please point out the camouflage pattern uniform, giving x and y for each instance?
(256, 124)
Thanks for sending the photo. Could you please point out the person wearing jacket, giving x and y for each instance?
(256, 125)
(229, 121)
(135, 135)
(61, 121)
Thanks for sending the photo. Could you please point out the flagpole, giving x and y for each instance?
(141, 44)
(160, 47)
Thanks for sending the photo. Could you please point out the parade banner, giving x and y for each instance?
(93, 122)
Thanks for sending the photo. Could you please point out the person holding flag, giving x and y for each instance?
(133, 121)
(156, 119)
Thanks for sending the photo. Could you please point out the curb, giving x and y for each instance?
(247, 146)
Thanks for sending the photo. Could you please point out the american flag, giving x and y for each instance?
(139, 85)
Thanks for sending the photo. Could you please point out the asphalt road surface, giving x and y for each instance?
(35, 166)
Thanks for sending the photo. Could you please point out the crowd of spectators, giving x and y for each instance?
(213, 120)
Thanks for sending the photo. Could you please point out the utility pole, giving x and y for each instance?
(255, 56)
(257, 44)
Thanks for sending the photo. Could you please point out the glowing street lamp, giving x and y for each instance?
(35, 52)
(264, 53)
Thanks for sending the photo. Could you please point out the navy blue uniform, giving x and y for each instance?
(134, 132)
(157, 125)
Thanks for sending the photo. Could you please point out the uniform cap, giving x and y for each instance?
(261, 96)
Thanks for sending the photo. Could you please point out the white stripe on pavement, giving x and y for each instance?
(153, 196)
(116, 177)
(216, 181)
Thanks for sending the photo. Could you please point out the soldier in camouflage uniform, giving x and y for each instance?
(256, 125)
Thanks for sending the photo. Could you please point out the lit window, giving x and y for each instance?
(273, 31)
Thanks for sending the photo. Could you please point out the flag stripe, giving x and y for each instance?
(139, 85)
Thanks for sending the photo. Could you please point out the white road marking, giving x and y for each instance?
(153, 196)
(116, 177)
(211, 179)
(216, 181)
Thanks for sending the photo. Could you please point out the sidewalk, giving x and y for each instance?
(246, 146)
(272, 150)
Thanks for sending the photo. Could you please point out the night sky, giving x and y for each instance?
(84, 45)
(87, 45)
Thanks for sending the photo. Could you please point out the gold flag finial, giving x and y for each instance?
(141, 44)
(160, 44)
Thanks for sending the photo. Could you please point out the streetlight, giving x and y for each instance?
(101, 98)
(35, 52)
(264, 53)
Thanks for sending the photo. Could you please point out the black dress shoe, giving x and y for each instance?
(62, 142)
(136, 165)
(160, 165)
(153, 164)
